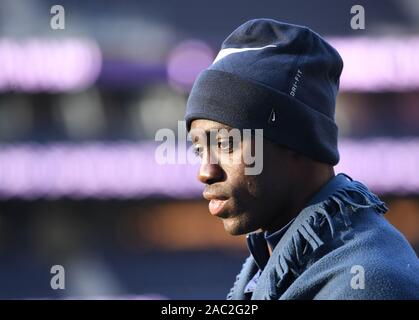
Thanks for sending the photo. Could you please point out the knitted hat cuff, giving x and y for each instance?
(244, 104)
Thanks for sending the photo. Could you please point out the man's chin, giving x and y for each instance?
(235, 227)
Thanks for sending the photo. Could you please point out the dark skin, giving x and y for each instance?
(266, 201)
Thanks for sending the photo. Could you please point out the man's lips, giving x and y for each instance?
(216, 206)
(216, 202)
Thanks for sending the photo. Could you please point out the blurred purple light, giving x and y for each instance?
(186, 61)
(123, 170)
(385, 165)
(48, 65)
(128, 170)
(379, 64)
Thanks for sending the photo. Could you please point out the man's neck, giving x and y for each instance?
(302, 196)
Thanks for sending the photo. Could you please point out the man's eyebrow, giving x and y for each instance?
(207, 132)
(221, 127)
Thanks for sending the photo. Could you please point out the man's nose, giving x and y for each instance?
(210, 173)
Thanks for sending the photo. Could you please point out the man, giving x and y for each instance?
(311, 234)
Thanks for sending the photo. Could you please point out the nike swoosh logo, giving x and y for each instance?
(226, 52)
(272, 117)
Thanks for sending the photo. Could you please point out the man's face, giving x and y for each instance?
(245, 203)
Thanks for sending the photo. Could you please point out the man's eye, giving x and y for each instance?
(225, 145)
(198, 151)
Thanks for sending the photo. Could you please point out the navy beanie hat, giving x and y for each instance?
(278, 77)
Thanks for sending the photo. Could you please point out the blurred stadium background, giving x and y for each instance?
(79, 109)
